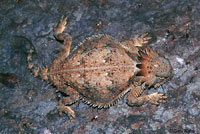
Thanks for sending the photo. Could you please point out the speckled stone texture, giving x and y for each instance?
(30, 105)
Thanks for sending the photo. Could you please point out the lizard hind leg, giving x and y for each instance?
(64, 37)
(63, 105)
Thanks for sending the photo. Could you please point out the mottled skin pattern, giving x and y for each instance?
(101, 70)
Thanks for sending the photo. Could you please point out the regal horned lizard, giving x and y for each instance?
(101, 70)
